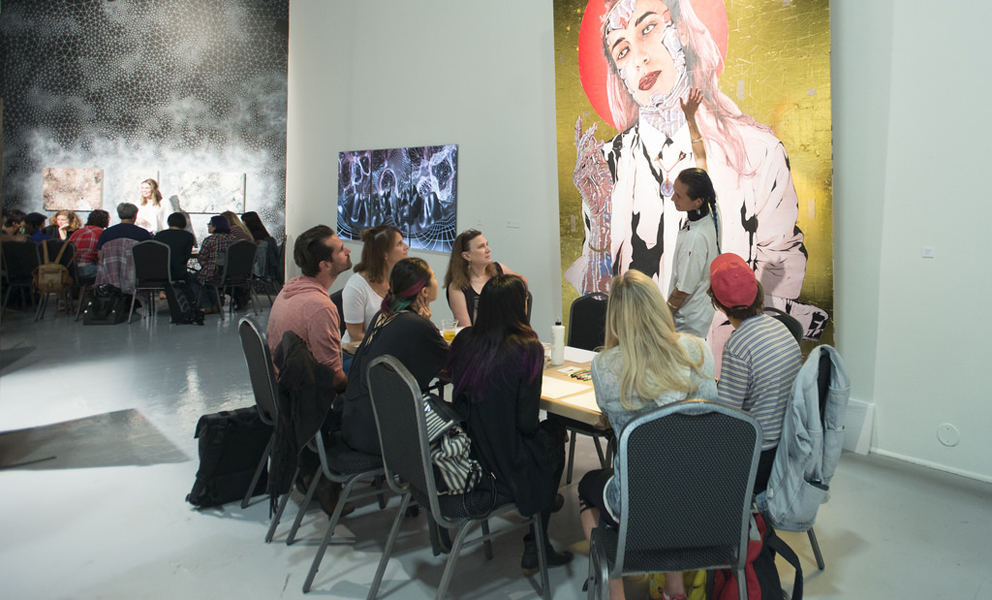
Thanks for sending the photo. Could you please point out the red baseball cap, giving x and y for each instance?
(732, 281)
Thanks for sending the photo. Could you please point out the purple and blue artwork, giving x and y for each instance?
(413, 189)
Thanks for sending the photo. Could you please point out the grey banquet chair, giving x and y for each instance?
(19, 262)
(151, 272)
(263, 386)
(686, 473)
(399, 414)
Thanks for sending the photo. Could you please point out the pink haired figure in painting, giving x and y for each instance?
(655, 53)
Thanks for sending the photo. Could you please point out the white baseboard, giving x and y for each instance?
(859, 423)
(933, 465)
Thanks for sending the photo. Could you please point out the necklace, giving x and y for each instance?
(668, 188)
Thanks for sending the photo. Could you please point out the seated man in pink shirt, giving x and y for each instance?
(304, 305)
(305, 308)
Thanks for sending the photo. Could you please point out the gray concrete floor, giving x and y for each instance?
(890, 530)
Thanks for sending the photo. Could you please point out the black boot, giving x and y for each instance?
(529, 562)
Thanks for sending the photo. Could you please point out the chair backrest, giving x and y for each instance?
(68, 258)
(338, 301)
(116, 265)
(151, 263)
(402, 426)
(239, 263)
(260, 370)
(20, 260)
(587, 321)
(261, 259)
(688, 472)
(793, 325)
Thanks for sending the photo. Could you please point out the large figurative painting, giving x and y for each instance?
(413, 189)
(624, 68)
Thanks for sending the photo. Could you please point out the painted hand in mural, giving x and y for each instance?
(592, 271)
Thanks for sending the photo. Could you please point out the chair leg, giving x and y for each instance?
(258, 472)
(303, 508)
(220, 307)
(816, 549)
(542, 558)
(388, 550)
(599, 453)
(488, 544)
(130, 313)
(449, 568)
(328, 535)
(83, 293)
(282, 507)
(571, 456)
(741, 584)
(39, 313)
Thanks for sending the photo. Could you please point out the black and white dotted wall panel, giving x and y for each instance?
(164, 85)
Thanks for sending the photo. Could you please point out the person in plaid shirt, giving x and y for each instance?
(212, 256)
(85, 239)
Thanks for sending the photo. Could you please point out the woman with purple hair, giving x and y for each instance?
(496, 369)
(403, 329)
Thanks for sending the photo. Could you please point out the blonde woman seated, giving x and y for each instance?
(645, 364)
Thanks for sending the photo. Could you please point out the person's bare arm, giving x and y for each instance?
(508, 271)
(356, 331)
(689, 107)
(459, 307)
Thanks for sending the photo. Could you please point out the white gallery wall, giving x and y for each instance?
(909, 135)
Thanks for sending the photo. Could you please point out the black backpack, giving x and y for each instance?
(183, 305)
(231, 447)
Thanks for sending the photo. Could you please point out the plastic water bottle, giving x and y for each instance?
(557, 343)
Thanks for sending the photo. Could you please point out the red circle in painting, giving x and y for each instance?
(592, 60)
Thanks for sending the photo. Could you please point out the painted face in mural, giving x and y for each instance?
(645, 47)
(397, 251)
(478, 252)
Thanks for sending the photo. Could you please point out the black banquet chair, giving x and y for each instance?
(19, 262)
(698, 446)
(399, 415)
(151, 272)
(63, 253)
(586, 330)
(237, 273)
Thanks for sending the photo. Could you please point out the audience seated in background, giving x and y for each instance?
(63, 224)
(13, 222)
(267, 260)
(644, 364)
(34, 227)
(760, 359)
(496, 369)
(402, 329)
(85, 239)
(212, 257)
(238, 229)
(116, 266)
(305, 308)
(180, 243)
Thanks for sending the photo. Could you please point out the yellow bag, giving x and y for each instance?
(695, 585)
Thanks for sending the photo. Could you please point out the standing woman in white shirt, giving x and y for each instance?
(362, 295)
(153, 215)
(697, 244)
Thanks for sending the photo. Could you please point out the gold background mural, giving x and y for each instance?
(777, 69)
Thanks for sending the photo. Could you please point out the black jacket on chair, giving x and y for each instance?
(306, 390)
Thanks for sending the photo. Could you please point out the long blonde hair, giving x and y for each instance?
(639, 323)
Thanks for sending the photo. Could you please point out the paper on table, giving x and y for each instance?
(556, 388)
(586, 401)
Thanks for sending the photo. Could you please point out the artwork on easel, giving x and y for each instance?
(213, 193)
(72, 189)
(413, 189)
